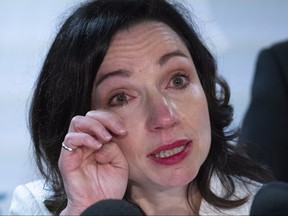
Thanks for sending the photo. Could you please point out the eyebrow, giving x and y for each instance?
(120, 72)
(126, 73)
(165, 58)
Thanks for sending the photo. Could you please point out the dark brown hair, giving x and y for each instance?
(65, 82)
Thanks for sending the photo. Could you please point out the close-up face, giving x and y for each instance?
(149, 79)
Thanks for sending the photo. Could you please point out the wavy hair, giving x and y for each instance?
(63, 90)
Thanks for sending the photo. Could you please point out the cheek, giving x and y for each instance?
(196, 118)
(203, 132)
(195, 112)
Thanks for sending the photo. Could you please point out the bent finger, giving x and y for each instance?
(73, 140)
(109, 119)
(111, 153)
(90, 126)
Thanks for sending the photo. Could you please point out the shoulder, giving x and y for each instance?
(271, 67)
(277, 52)
(243, 188)
(28, 199)
(281, 47)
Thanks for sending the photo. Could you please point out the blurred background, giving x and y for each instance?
(234, 30)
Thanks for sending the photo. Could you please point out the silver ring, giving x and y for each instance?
(68, 148)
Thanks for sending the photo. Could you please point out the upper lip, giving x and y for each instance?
(170, 146)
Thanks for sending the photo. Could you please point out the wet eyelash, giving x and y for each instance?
(114, 96)
(182, 74)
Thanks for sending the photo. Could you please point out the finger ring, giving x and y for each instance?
(68, 148)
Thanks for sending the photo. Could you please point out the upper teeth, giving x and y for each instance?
(168, 153)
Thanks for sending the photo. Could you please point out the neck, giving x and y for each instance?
(172, 201)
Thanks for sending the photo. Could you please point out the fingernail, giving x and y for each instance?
(122, 130)
(107, 135)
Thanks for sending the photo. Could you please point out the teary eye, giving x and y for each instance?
(118, 99)
(179, 80)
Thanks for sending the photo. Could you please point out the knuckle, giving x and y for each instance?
(76, 119)
(76, 122)
(90, 113)
(68, 138)
(100, 114)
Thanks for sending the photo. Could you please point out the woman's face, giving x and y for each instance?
(149, 79)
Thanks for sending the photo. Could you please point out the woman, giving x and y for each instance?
(126, 107)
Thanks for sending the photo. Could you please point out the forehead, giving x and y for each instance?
(145, 33)
(151, 39)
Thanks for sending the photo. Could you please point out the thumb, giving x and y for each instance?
(111, 153)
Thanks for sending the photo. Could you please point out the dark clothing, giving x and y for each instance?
(265, 126)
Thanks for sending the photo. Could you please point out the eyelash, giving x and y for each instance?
(122, 93)
(115, 95)
(184, 75)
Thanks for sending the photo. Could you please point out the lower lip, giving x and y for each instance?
(174, 159)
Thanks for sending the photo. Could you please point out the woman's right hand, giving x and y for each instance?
(97, 169)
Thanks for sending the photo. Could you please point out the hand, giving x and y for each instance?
(97, 169)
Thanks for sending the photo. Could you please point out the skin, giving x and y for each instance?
(146, 94)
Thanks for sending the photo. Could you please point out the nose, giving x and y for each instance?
(162, 114)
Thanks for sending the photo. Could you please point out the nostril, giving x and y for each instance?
(162, 120)
(161, 113)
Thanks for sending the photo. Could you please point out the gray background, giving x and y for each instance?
(234, 30)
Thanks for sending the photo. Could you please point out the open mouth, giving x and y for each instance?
(169, 153)
(172, 153)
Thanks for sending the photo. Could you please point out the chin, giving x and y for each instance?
(178, 179)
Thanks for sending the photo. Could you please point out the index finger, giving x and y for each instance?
(110, 120)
